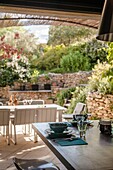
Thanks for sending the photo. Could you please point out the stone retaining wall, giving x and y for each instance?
(100, 106)
(58, 82)
(65, 80)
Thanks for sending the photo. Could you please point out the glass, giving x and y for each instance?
(82, 127)
(29, 102)
(112, 128)
(25, 102)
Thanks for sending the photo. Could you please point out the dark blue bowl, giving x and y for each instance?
(58, 127)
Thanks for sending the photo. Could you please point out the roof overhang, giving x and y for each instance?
(83, 12)
(54, 7)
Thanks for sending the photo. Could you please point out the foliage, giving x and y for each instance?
(14, 66)
(61, 59)
(20, 39)
(57, 70)
(7, 77)
(64, 94)
(94, 50)
(39, 53)
(51, 58)
(110, 52)
(74, 61)
(102, 78)
(34, 76)
(68, 34)
(79, 95)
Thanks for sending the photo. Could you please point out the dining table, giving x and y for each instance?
(60, 109)
(97, 154)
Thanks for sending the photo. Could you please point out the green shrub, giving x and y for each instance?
(74, 61)
(64, 94)
(51, 58)
(94, 50)
(79, 95)
(102, 78)
(57, 70)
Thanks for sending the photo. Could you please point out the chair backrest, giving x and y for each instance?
(20, 103)
(34, 102)
(79, 108)
(24, 164)
(1, 104)
(46, 114)
(25, 116)
(4, 117)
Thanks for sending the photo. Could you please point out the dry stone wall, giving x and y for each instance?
(65, 80)
(58, 82)
(100, 106)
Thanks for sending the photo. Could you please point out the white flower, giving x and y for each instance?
(17, 64)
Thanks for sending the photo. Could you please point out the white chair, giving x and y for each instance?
(37, 102)
(20, 103)
(22, 117)
(79, 109)
(1, 104)
(33, 164)
(4, 121)
(46, 114)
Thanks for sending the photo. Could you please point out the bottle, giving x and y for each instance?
(15, 102)
(10, 103)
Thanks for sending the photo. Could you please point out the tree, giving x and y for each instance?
(94, 50)
(68, 34)
(20, 39)
(51, 58)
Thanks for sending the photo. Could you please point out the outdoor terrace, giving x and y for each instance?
(25, 148)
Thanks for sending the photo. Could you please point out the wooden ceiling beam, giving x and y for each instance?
(76, 6)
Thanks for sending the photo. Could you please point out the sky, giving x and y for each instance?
(40, 31)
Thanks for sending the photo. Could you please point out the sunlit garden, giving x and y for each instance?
(68, 50)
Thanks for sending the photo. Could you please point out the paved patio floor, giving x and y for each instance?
(25, 148)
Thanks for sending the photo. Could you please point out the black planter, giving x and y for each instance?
(47, 86)
(22, 87)
(35, 86)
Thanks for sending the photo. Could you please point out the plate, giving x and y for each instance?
(58, 135)
(49, 131)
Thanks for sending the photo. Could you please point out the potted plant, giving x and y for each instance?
(34, 79)
(22, 87)
(47, 86)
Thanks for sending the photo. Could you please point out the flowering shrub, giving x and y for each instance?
(20, 67)
(102, 78)
(14, 66)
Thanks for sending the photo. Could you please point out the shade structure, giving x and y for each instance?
(105, 32)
